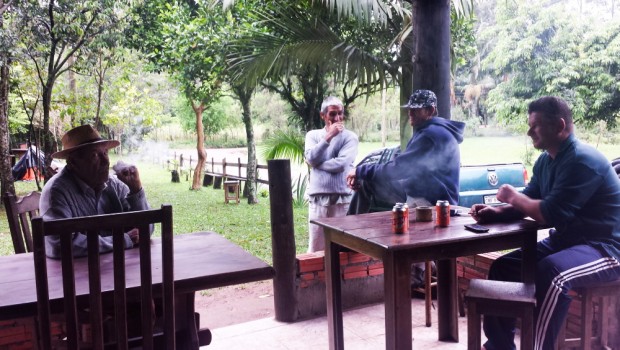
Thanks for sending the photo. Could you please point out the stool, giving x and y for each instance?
(499, 298)
(231, 191)
(602, 292)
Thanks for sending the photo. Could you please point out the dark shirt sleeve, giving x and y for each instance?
(532, 189)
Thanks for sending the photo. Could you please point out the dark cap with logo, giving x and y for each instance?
(422, 99)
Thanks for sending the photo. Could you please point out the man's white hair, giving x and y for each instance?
(330, 101)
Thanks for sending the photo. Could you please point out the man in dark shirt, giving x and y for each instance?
(575, 190)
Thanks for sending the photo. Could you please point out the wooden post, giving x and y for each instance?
(431, 62)
(224, 169)
(282, 239)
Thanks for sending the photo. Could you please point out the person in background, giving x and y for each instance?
(575, 190)
(330, 153)
(83, 188)
(427, 170)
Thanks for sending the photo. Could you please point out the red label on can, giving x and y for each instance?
(443, 213)
(400, 219)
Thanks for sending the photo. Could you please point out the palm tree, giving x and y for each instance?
(289, 144)
(300, 37)
(299, 52)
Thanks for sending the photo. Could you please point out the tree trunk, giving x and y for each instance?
(47, 139)
(6, 176)
(73, 91)
(383, 119)
(406, 83)
(244, 97)
(200, 147)
(431, 64)
(100, 74)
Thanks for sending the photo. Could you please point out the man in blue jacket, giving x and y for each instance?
(428, 168)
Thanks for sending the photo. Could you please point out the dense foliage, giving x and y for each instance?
(543, 50)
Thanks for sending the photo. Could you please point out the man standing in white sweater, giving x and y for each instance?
(330, 152)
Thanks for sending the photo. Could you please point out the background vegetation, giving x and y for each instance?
(196, 74)
(249, 225)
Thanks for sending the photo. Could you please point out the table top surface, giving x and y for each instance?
(376, 229)
(202, 260)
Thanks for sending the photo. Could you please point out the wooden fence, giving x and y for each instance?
(225, 169)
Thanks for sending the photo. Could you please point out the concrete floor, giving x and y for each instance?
(364, 329)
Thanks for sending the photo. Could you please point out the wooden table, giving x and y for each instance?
(202, 260)
(371, 234)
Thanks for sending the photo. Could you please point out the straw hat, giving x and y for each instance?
(81, 137)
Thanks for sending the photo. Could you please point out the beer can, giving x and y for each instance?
(400, 218)
(442, 209)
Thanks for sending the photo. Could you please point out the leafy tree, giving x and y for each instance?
(54, 35)
(190, 41)
(544, 50)
(133, 116)
(181, 38)
(592, 78)
(220, 114)
(6, 43)
(301, 51)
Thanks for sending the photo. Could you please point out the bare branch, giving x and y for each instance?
(36, 65)
(5, 6)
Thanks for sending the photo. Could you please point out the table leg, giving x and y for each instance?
(447, 300)
(333, 289)
(529, 257)
(187, 331)
(397, 292)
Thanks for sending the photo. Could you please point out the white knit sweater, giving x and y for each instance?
(330, 162)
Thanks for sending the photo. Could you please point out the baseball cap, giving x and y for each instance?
(422, 99)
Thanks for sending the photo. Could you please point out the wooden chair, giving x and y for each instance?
(600, 292)
(430, 282)
(91, 226)
(19, 212)
(498, 298)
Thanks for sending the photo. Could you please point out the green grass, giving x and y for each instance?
(249, 225)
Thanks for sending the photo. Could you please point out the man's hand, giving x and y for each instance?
(333, 129)
(128, 174)
(352, 180)
(134, 234)
(506, 193)
(482, 212)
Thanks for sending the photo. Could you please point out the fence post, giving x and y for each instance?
(282, 239)
(224, 169)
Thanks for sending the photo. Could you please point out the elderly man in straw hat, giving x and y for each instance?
(85, 188)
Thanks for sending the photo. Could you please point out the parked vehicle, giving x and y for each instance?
(478, 183)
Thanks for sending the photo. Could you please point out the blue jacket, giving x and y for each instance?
(429, 167)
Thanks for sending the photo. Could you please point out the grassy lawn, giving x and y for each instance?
(249, 225)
